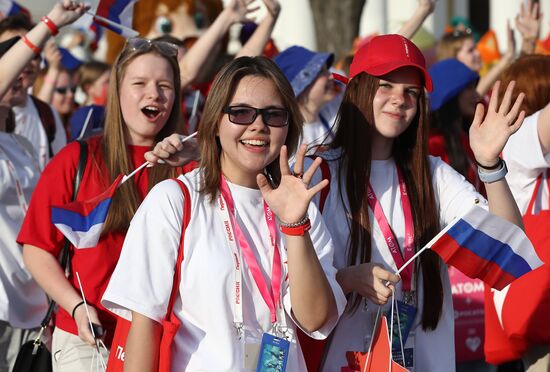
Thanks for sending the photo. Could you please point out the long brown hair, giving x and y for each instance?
(223, 88)
(117, 160)
(410, 151)
(532, 76)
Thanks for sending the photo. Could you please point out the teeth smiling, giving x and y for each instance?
(254, 142)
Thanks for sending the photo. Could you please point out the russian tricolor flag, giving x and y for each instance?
(82, 221)
(487, 247)
(9, 8)
(115, 15)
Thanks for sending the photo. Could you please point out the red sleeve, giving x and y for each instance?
(54, 187)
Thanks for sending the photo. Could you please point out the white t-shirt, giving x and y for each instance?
(434, 350)
(526, 161)
(28, 125)
(321, 132)
(142, 280)
(23, 304)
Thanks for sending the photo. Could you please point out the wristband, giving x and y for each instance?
(49, 23)
(490, 177)
(76, 307)
(296, 229)
(36, 50)
(492, 167)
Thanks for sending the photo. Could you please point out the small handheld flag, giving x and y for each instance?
(9, 8)
(117, 16)
(484, 246)
(82, 221)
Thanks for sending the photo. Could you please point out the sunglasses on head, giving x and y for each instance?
(145, 45)
(245, 115)
(63, 90)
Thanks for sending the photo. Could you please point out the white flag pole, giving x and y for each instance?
(128, 31)
(126, 178)
(86, 123)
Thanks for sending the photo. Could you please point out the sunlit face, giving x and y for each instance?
(63, 96)
(97, 92)
(147, 93)
(396, 101)
(468, 100)
(322, 89)
(248, 149)
(469, 55)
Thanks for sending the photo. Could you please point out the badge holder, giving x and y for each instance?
(402, 317)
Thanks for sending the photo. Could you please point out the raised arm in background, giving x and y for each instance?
(528, 24)
(15, 59)
(257, 42)
(413, 24)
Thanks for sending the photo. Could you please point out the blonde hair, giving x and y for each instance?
(126, 202)
(450, 44)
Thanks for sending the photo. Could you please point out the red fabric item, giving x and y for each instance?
(524, 317)
(94, 265)
(170, 324)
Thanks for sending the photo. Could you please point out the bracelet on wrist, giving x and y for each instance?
(297, 228)
(49, 23)
(492, 175)
(36, 50)
(497, 165)
(76, 307)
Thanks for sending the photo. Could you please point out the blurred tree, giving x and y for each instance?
(336, 24)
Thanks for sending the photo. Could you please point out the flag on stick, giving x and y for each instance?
(82, 221)
(484, 246)
(115, 15)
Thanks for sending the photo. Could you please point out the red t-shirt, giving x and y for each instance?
(94, 265)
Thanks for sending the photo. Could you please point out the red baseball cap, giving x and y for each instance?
(386, 53)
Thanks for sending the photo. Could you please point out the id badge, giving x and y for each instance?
(408, 353)
(273, 354)
(407, 314)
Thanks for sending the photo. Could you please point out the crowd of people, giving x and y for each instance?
(280, 228)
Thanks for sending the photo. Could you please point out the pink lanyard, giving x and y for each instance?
(389, 235)
(271, 297)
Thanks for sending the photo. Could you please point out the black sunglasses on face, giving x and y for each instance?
(63, 90)
(245, 115)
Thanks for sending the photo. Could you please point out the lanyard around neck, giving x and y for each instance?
(239, 244)
(389, 236)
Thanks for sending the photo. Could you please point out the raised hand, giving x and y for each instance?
(273, 7)
(173, 152)
(489, 133)
(66, 12)
(429, 5)
(528, 20)
(239, 10)
(52, 54)
(290, 200)
(510, 53)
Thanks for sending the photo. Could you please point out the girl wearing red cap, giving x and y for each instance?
(379, 162)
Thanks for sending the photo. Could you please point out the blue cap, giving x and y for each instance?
(68, 60)
(449, 78)
(302, 66)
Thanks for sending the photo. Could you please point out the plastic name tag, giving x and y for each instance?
(407, 314)
(273, 354)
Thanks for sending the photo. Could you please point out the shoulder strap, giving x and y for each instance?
(325, 174)
(82, 160)
(47, 119)
(177, 273)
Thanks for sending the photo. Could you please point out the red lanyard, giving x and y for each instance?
(389, 235)
(271, 297)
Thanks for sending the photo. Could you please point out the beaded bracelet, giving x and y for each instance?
(49, 23)
(36, 50)
(297, 228)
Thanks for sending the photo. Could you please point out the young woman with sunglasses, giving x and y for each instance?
(386, 192)
(142, 108)
(283, 257)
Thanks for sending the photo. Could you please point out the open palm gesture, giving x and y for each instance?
(489, 135)
(290, 200)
